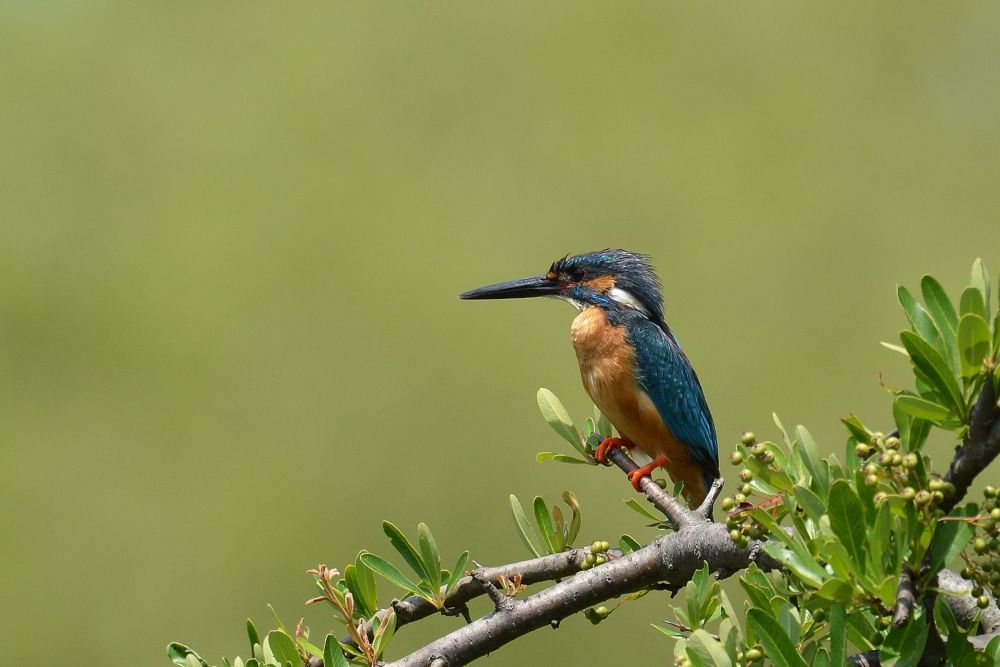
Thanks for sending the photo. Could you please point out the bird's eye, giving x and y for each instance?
(576, 274)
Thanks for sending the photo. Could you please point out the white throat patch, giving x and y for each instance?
(626, 298)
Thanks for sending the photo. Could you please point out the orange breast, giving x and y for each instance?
(607, 366)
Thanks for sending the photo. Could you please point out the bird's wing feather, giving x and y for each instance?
(666, 375)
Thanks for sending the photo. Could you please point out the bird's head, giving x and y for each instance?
(607, 278)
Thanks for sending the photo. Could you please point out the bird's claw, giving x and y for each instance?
(608, 444)
(635, 477)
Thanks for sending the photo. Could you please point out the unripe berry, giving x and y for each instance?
(936, 484)
(879, 498)
(734, 534)
(897, 459)
(966, 573)
(746, 489)
(908, 493)
(877, 436)
(990, 492)
(922, 498)
(949, 489)
(870, 469)
(758, 450)
(937, 497)
(885, 459)
(743, 542)
(980, 546)
(995, 513)
(602, 611)
(732, 522)
(768, 457)
(863, 451)
(746, 475)
(892, 443)
(728, 503)
(595, 548)
(740, 497)
(819, 615)
(736, 459)
(748, 438)
(661, 482)
(982, 602)
(600, 560)
(977, 591)
(871, 480)
(753, 655)
(910, 461)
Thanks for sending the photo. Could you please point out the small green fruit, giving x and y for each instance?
(748, 438)
(871, 480)
(990, 492)
(768, 457)
(922, 498)
(753, 655)
(908, 493)
(897, 459)
(728, 503)
(734, 535)
(736, 459)
(746, 475)
(746, 489)
(980, 546)
(910, 461)
(982, 602)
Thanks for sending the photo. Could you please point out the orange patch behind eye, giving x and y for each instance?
(551, 275)
(601, 284)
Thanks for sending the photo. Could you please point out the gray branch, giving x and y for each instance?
(671, 559)
(980, 446)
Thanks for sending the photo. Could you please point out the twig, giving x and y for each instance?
(980, 446)
(904, 598)
(705, 509)
(676, 511)
(672, 558)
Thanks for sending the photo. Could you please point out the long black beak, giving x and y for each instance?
(515, 289)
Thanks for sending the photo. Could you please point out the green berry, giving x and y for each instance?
(982, 602)
(736, 459)
(990, 492)
(897, 459)
(871, 480)
(600, 560)
(870, 469)
(753, 655)
(936, 484)
(995, 513)
(949, 489)
(740, 498)
(586, 565)
(862, 451)
(660, 482)
(937, 496)
(966, 573)
(768, 457)
(879, 498)
(910, 461)
(602, 611)
(748, 438)
(892, 443)
(758, 450)
(922, 498)
(746, 489)
(728, 503)
(746, 475)
(980, 546)
(819, 615)
(734, 535)
(595, 548)
(977, 591)
(908, 493)
(885, 459)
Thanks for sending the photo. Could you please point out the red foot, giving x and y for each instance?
(636, 475)
(601, 454)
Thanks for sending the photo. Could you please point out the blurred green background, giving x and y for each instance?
(232, 235)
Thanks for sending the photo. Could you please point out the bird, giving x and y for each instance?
(631, 363)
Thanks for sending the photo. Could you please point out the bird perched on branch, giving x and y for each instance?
(631, 363)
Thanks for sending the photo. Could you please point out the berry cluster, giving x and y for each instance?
(742, 528)
(983, 565)
(596, 556)
(893, 473)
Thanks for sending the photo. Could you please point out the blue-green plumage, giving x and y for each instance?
(631, 363)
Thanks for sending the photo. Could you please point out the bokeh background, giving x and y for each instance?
(232, 235)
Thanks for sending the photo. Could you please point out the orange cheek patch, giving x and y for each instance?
(602, 284)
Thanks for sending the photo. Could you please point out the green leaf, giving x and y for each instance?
(981, 281)
(930, 363)
(558, 418)
(836, 590)
(361, 582)
(602, 426)
(972, 303)
(904, 646)
(457, 572)
(405, 549)
(799, 561)
(894, 348)
(544, 521)
(628, 544)
(938, 304)
(950, 538)
(919, 318)
(838, 635)
(921, 408)
(560, 458)
(574, 524)
(973, 344)
(430, 556)
(811, 457)
(281, 647)
(705, 651)
(777, 646)
(993, 649)
(178, 654)
(847, 520)
(641, 509)
(810, 502)
(252, 633)
(332, 655)
(524, 529)
(387, 570)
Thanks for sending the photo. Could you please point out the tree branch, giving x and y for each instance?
(672, 558)
(980, 446)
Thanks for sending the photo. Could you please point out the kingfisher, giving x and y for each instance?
(631, 364)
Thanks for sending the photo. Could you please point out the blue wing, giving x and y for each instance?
(666, 375)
